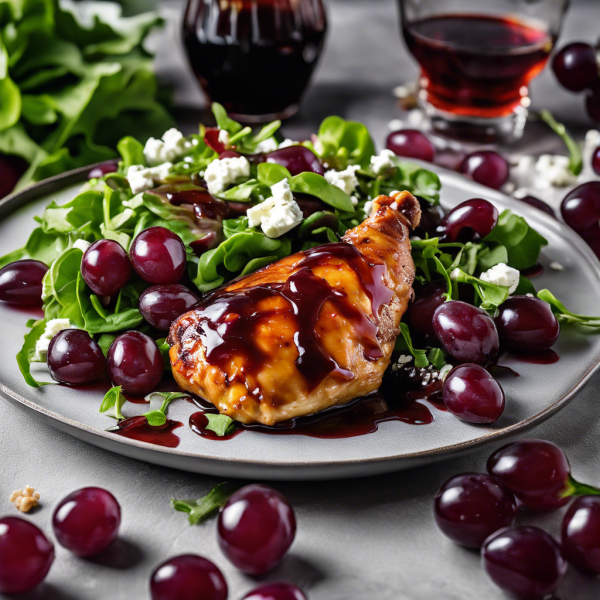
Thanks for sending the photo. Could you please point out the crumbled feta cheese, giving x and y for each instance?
(267, 145)
(346, 180)
(81, 245)
(276, 215)
(287, 143)
(502, 274)
(142, 178)
(368, 208)
(224, 137)
(172, 145)
(222, 173)
(555, 170)
(556, 266)
(382, 161)
(354, 200)
(53, 327)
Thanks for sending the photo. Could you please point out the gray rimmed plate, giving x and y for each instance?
(538, 393)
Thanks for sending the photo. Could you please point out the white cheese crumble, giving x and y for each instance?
(346, 180)
(82, 245)
(287, 143)
(172, 145)
(142, 178)
(554, 169)
(224, 137)
(220, 174)
(556, 266)
(368, 208)
(276, 215)
(53, 327)
(502, 274)
(267, 145)
(382, 161)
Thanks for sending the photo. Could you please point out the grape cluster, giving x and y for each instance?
(478, 510)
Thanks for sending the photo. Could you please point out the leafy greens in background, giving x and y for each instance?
(71, 86)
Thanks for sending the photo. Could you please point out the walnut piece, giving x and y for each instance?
(25, 499)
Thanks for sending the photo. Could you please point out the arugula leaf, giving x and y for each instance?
(345, 142)
(205, 507)
(132, 152)
(159, 417)
(490, 294)
(523, 243)
(576, 159)
(27, 351)
(105, 342)
(316, 185)
(565, 315)
(410, 176)
(404, 344)
(234, 255)
(223, 120)
(221, 424)
(114, 398)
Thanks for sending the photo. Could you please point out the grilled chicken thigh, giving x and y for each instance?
(310, 331)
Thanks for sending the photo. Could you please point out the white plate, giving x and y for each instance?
(539, 392)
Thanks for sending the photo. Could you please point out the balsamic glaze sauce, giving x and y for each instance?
(137, 428)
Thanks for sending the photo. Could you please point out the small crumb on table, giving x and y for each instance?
(25, 499)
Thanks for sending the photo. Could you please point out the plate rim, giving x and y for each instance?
(21, 198)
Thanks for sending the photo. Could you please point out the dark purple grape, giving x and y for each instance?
(580, 534)
(468, 508)
(135, 362)
(473, 395)
(449, 159)
(158, 256)
(526, 324)
(87, 521)
(419, 314)
(21, 282)
(533, 201)
(592, 102)
(229, 154)
(160, 305)
(596, 161)
(296, 159)
(276, 591)
(467, 333)
(256, 528)
(581, 208)
(411, 143)
(469, 220)
(102, 170)
(575, 66)
(486, 167)
(524, 561)
(26, 555)
(106, 268)
(537, 472)
(188, 577)
(75, 358)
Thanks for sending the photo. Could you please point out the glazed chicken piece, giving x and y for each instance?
(310, 331)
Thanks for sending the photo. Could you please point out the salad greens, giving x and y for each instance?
(230, 247)
(66, 72)
(208, 506)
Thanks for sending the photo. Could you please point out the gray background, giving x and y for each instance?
(367, 539)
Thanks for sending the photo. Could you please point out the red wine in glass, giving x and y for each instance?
(477, 65)
(255, 57)
(477, 61)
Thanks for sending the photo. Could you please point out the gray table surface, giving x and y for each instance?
(368, 539)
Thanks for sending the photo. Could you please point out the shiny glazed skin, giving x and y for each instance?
(278, 391)
(580, 534)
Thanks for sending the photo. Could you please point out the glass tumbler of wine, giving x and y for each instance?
(255, 57)
(477, 58)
